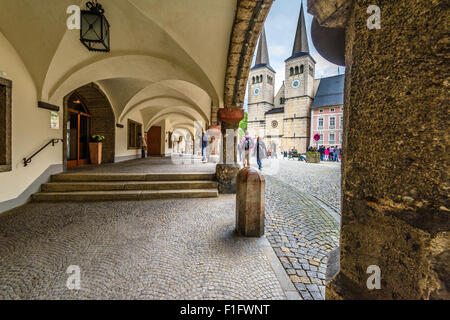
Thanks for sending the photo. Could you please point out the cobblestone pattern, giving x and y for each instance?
(302, 234)
(322, 181)
(177, 249)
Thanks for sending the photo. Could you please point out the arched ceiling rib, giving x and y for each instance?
(185, 41)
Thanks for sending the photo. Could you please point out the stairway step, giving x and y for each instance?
(127, 185)
(124, 195)
(85, 177)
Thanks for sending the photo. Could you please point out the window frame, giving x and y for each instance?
(334, 138)
(320, 127)
(332, 127)
(5, 127)
(137, 127)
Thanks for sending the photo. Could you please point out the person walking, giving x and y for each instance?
(143, 145)
(247, 146)
(260, 152)
(322, 153)
(205, 140)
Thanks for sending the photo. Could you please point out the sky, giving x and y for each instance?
(281, 25)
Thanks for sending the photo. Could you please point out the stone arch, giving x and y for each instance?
(103, 118)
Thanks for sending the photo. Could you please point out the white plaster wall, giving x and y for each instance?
(122, 136)
(30, 127)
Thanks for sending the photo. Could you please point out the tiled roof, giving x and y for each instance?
(330, 92)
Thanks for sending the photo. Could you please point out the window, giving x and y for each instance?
(320, 142)
(342, 123)
(296, 70)
(321, 110)
(332, 139)
(134, 128)
(281, 100)
(5, 125)
(332, 110)
(291, 71)
(320, 124)
(302, 69)
(253, 80)
(332, 123)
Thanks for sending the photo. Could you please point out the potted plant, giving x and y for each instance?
(95, 148)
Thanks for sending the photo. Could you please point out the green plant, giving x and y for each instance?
(243, 126)
(97, 138)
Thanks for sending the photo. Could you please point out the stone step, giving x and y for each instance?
(124, 195)
(127, 185)
(98, 177)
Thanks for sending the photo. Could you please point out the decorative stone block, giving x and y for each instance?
(250, 203)
(226, 177)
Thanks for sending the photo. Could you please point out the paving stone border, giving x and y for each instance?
(302, 233)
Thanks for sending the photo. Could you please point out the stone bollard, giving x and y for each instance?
(250, 203)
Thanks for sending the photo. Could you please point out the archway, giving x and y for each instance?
(87, 111)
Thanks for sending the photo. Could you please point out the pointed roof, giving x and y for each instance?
(262, 56)
(301, 46)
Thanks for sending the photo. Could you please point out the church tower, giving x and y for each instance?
(261, 89)
(299, 90)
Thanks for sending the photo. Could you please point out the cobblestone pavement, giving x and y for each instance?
(162, 249)
(301, 231)
(323, 181)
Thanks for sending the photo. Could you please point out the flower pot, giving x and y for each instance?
(313, 157)
(95, 152)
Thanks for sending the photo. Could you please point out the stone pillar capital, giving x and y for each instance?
(231, 115)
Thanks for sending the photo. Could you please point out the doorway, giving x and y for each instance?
(79, 128)
(154, 142)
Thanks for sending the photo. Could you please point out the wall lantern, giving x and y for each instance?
(94, 33)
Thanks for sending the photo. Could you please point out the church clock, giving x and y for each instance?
(296, 84)
(257, 91)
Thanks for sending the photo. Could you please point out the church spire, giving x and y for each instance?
(301, 37)
(262, 57)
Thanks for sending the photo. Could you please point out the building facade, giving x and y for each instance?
(285, 119)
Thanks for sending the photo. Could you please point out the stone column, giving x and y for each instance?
(395, 212)
(228, 169)
(250, 203)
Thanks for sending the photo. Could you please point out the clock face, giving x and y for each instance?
(296, 84)
(257, 91)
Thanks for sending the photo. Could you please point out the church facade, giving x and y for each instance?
(284, 119)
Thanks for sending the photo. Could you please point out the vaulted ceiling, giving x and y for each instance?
(168, 58)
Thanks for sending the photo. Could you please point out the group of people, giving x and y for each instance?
(330, 154)
(248, 145)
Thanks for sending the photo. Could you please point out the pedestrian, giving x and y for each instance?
(205, 140)
(338, 154)
(247, 146)
(322, 152)
(143, 145)
(260, 152)
(327, 154)
(331, 156)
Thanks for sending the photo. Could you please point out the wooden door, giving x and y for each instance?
(79, 127)
(154, 142)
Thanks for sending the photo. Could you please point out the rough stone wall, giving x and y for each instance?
(250, 18)
(395, 210)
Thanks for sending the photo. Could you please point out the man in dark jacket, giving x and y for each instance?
(260, 152)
